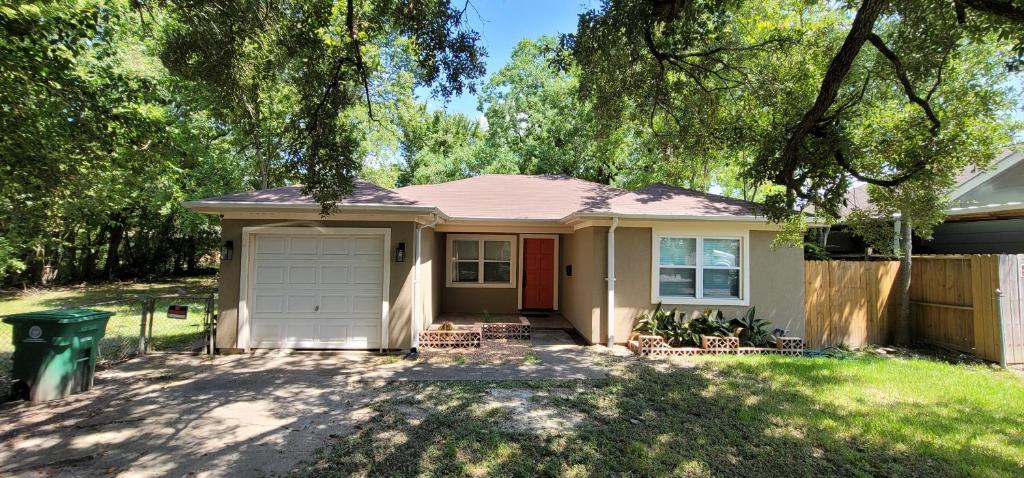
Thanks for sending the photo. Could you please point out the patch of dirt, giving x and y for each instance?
(529, 412)
(490, 351)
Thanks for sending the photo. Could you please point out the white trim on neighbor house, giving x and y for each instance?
(520, 290)
(248, 258)
(1006, 162)
(717, 232)
(480, 238)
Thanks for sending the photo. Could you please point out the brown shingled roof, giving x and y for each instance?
(664, 200)
(510, 197)
(364, 194)
(506, 196)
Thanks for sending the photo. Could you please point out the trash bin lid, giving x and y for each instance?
(58, 316)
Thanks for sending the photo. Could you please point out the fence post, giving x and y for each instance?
(151, 307)
(144, 306)
(209, 324)
(999, 327)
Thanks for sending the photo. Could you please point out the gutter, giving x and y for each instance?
(417, 304)
(611, 281)
(214, 207)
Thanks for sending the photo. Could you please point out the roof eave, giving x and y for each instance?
(216, 207)
(692, 217)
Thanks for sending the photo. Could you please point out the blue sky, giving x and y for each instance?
(502, 23)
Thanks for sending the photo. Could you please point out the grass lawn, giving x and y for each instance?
(121, 298)
(727, 416)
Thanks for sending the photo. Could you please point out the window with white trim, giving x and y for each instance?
(697, 267)
(481, 261)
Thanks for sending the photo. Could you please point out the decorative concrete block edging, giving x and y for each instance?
(506, 331)
(655, 346)
(471, 336)
(457, 338)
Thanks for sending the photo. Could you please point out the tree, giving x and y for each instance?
(700, 67)
(328, 53)
(971, 103)
(97, 150)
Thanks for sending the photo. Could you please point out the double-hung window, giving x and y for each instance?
(481, 261)
(698, 269)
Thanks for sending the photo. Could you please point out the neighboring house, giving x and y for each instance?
(986, 213)
(389, 262)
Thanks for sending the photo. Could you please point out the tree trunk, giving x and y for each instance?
(901, 334)
(113, 249)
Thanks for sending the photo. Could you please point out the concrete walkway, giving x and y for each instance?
(243, 415)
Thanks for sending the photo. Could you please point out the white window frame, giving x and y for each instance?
(480, 238)
(699, 299)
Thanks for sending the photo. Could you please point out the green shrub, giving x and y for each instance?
(753, 332)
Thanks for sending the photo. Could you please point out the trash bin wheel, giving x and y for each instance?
(19, 390)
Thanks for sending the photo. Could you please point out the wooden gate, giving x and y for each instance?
(953, 303)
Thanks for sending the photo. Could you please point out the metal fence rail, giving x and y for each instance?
(189, 329)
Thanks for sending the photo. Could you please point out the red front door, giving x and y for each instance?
(539, 273)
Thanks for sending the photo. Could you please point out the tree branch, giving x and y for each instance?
(915, 168)
(840, 66)
(350, 21)
(908, 87)
(1003, 8)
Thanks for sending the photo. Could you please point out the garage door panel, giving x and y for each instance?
(269, 274)
(320, 333)
(367, 246)
(335, 304)
(334, 274)
(301, 304)
(336, 246)
(304, 245)
(366, 274)
(270, 304)
(366, 304)
(305, 275)
(271, 245)
(317, 292)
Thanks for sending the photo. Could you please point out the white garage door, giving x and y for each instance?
(317, 291)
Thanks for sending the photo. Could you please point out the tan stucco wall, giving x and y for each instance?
(577, 293)
(400, 314)
(776, 282)
(473, 300)
(429, 263)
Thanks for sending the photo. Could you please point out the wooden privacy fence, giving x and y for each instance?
(953, 303)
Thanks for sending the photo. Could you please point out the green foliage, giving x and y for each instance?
(665, 324)
(753, 332)
(709, 322)
(678, 331)
(327, 55)
(99, 147)
(724, 85)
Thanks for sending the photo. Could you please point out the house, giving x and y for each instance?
(389, 262)
(985, 214)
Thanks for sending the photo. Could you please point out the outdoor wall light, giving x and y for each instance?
(227, 250)
(400, 252)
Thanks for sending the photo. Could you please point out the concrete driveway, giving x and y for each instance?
(243, 415)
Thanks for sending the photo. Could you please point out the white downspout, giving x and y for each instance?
(417, 302)
(611, 281)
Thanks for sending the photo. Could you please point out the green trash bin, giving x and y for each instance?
(55, 351)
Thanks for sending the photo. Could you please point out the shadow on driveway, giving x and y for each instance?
(243, 415)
